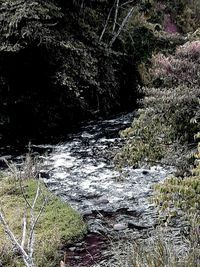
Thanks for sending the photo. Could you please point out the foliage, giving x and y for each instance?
(181, 193)
(182, 68)
(181, 196)
(144, 141)
(58, 224)
(185, 13)
(22, 22)
(166, 125)
(143, 33)
(52, 67)
(52, 48)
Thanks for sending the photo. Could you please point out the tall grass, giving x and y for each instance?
(163, 249)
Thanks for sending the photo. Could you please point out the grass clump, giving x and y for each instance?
(58, 224)
(156, 251)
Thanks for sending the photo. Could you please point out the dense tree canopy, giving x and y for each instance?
(65, 61)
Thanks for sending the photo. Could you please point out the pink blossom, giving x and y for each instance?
(190, 49)
(169, 25)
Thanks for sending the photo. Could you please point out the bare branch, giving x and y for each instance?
(116, 14)
(106, 24)
(23, 193)
(122, 26)
(24, 230)
(33, 225)
(126, 3)
(36, 195)
(12, 168)
(11, 236)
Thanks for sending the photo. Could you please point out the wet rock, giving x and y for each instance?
(120, 226)
(108, 210)
(86, 213)
(102, 201)
(97, 226)
(133, 225)
(80, 244)
(77, 257)
(80, 249)
(92, 196)
(44, 174)
(72, 249)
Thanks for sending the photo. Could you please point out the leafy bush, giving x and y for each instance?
(181, 193)
(178, 196)
(169, 119)
(185, 13)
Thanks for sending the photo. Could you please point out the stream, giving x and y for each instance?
(115, 204)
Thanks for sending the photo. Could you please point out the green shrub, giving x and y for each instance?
(181, 196)
(169, 119)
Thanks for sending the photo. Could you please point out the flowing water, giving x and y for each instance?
(82, 172)
(115, 204)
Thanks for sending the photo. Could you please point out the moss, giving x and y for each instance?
(58, 225)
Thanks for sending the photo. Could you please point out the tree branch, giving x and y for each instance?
(106, 24)
(23, 193)
(24, 230)
(116, 14)
(122, 26)
(33, 225)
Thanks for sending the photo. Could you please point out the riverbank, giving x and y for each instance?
(58, 225)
